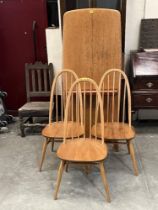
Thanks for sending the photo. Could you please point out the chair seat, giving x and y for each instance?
(115, 131)
(82, 150)
(34, 108)
(56, 130)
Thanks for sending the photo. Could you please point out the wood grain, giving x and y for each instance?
(82, 150)
(92, 41)
(115, 131)
(56, 130)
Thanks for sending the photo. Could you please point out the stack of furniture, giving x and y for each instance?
(104, 126)
(93, 105)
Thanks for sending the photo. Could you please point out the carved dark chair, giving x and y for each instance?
(38, 83)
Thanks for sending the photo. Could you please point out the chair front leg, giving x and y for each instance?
(104, 179)
(44, 148)
(132, 153)
(60, 172)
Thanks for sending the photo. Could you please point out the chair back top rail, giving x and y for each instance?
(39, 78)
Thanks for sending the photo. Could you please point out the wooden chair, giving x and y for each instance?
(38, 82)
(83, 149)
(54, 131)
(116, 96)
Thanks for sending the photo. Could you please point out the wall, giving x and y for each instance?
(135, 11)
(54, 48)
(151, 9)
(54, 45)
(17, 48)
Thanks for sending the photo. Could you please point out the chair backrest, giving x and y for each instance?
(39, 79)
(116, 96)
(79, 111)
(92, 41)
(66, 78)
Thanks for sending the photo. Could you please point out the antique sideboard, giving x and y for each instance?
(144, 80)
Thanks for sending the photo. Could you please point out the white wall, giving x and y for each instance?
(54, 45)
(54, 48)
(135, 11)
(54, 51)
(151, 9)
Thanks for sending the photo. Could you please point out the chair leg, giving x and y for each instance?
(132, 153)
(128, 147)
(104, 179)
(44, 148)
(87, 169)
(52, 144)
(60, 172)
(22, 126)
(66, 166)
(116, 147)
(30, 119)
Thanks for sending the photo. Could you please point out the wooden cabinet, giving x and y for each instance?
(144, 80)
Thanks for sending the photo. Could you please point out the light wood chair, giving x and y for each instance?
(54, 131)
(39, 79)
(83, 149)
(116, 96)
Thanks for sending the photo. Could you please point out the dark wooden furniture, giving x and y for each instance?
(144, 80)
(38, 82)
